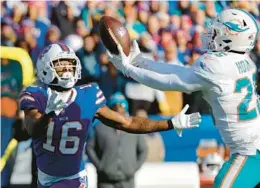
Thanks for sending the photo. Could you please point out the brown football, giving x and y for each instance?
(112, 31)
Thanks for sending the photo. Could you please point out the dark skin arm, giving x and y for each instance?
(36, 123)
(137, 125)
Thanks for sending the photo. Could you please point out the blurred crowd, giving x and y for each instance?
(167, 31)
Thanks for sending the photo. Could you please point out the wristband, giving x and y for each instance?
(170, 124)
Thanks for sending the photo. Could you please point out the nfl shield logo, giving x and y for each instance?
(121, 31)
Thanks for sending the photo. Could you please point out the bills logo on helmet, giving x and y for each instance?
(44, 51)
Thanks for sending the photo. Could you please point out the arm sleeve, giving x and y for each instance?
(162, 68)
(180, 79)
(29, 100)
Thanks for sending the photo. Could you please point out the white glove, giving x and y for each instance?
(122, 62)
(135, 54)
(182, 121)
(55, 102)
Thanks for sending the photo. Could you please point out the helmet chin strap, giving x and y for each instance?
(58, 88)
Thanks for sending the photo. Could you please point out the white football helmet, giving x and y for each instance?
(232, 29)
(46, 71)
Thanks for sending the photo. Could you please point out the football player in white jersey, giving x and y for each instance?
(227, 77)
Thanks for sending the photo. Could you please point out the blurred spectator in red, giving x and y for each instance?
(166, 37)
(171, 54)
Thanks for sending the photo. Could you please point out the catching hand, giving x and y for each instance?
(183, 121)
(121, 61)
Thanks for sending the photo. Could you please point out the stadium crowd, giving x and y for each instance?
(167, 31)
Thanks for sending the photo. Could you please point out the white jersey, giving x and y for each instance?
(228, 83)
(231, 93)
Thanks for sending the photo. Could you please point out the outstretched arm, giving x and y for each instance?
(176, 77)
(136, 58)
(180, 79)
(148, 64)
(139, 125)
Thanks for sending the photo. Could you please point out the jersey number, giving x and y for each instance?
(64, 138)
(243, 113)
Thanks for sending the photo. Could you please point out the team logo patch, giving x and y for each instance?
(234, 27)
(204, 66)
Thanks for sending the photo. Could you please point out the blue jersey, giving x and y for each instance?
(59, 152)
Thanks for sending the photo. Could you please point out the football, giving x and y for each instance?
(112, 32)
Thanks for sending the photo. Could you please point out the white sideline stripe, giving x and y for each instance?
(233, 171)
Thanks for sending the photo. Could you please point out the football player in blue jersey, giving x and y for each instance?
(58, 116)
